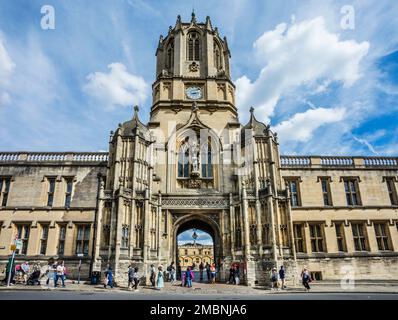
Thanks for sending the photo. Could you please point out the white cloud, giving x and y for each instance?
(302, 54)
(301, 126)
(367, 144)
(7, 66)
(116, 88)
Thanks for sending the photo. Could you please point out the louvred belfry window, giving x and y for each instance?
(193, 46)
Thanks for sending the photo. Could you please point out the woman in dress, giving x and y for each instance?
(160, 282)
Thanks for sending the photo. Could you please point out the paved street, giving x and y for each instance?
(201, 291)
(119, 295)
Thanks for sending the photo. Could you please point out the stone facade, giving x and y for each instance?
(190, 254)
(43, 224)
(194, 165)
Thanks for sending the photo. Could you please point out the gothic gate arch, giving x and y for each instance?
(203, 222)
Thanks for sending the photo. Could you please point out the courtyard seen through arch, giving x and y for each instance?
(195, 247)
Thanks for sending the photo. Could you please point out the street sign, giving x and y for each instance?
(97, 266)
(18, 244)
(13, 247)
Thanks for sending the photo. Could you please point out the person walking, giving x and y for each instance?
(59, 274)
(136, 279)
(152, 277)
(231, 278)
(25, 270)
(108, 278)
(189, 276)
(213, 273)
(172, 273)
(183, 279)
(236, 274)
(201, 267)
(50, 272)
(274, 279)
(179, 272)
(208, 272)
(282, 277)
(130, 274)
(306, 279)
(160, 281)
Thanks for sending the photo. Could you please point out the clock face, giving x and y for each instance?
(194, 93)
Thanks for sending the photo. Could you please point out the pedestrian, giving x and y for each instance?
(236, 274)
(274, 279)
(189, 277)
(183, 279)
(136, 279)
(231, 278)
(108, 278)
(306, 278)
(160, 281)
(25, 270)
(172, 273)
(282, 277)
(130, 274)
(152, 276)
(60, 274)
(50, 271)
(179, 272)
(201, 267)
(213, 273)
(10, 268)
(208, 272)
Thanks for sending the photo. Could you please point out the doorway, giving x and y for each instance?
(197, 244)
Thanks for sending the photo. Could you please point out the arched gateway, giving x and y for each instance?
(205, 223)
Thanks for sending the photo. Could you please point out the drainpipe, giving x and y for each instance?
(99, 175)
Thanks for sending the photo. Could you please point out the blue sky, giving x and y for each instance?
(323, 88)
(186, 237)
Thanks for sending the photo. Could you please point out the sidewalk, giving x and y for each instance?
(205, 288)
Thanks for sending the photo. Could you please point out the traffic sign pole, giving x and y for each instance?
(80, 267)
(10, 267)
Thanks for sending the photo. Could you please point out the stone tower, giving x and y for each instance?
(193, 165)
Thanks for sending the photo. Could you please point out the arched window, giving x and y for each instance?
(206, 160)
(193, 46)
(217, 56)
(170, 55)
(183, 161)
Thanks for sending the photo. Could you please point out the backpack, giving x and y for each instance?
(169, 268)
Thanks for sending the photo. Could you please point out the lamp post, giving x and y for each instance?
(80, 255)
(194, 236)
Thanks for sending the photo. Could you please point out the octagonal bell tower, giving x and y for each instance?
(192, 64)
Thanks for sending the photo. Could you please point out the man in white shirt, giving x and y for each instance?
(60, 273)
